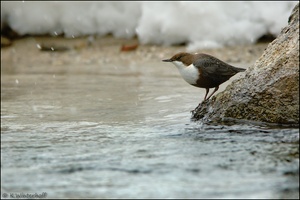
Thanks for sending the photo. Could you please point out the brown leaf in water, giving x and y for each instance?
(129, 47)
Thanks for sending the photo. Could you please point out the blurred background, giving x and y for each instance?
(196, 24)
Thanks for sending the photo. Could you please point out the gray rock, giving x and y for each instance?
(268, 91)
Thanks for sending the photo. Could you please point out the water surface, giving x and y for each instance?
(125, 132)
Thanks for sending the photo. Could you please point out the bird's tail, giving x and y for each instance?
(237, 69)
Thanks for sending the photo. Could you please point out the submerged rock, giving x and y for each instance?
(268, 91)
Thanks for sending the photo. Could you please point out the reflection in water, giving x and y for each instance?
(93, 135)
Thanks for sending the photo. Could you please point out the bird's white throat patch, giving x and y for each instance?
(189, 73)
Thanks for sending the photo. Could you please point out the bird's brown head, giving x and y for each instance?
(185, 58)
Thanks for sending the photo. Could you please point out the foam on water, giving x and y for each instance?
(199, 24)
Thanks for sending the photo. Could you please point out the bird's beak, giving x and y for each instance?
(167, 60)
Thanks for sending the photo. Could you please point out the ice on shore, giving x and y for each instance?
(199, 24)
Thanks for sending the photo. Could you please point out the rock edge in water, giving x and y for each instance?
(268, 91)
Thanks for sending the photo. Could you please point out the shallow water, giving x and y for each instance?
(116, 132)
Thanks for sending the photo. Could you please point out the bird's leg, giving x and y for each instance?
(216, 88)
(207, 90)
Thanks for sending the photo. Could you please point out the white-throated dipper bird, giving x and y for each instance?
(202, 70)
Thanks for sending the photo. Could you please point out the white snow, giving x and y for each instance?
(199, 24)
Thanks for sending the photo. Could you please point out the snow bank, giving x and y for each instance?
(199, 24)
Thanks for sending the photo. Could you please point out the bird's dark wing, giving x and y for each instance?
(214, 69)
(211, 66)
